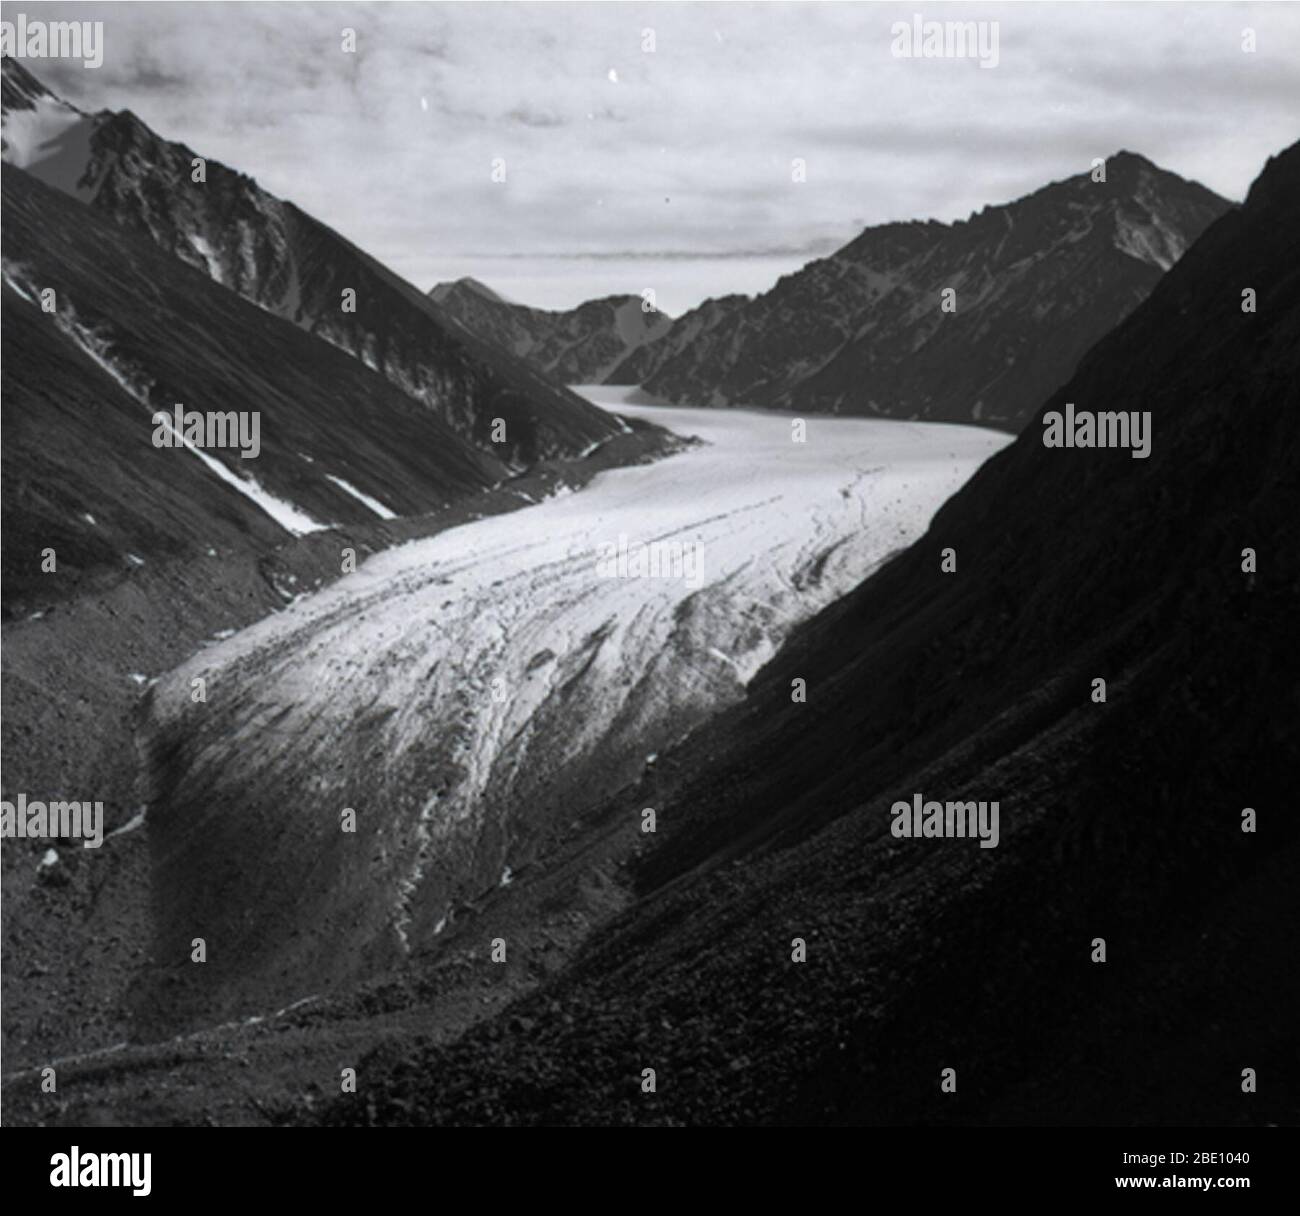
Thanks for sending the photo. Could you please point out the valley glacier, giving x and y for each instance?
(457, 690)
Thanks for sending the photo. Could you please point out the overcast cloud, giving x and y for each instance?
(674, 172)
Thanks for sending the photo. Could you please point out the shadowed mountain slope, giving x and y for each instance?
(644, 362)
(133, 331)
(1120, 821)
(864, 331)
(280, 258)
(580, 345)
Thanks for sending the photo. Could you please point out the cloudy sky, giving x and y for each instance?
(628, 168)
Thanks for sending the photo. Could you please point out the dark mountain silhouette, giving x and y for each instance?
(644, 363)
(1120, 821)
(133, 331)
(1037, 282)
(580, 345)
(275, 255)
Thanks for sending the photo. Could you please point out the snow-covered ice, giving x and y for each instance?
(493, 651)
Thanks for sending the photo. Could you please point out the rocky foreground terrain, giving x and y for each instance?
(1121, 821)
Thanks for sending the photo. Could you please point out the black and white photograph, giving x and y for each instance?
(652, 564)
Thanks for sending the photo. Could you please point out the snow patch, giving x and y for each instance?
(1153, 242)
(361, 496)
(18, 287)
(133, 824)
(209, 256)
(291, 518)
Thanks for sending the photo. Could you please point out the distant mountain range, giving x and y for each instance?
(695, 328)
(1036, 282)
(1120, 820)
(281, 259)
(582, 345)
(1033, 284)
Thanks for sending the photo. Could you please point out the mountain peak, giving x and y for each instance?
(40, 127)
(579, 345)
(441, 291)
(1125, 157)
(281, 259)
(21, 90)
(1281, 174)
(1035, 282)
